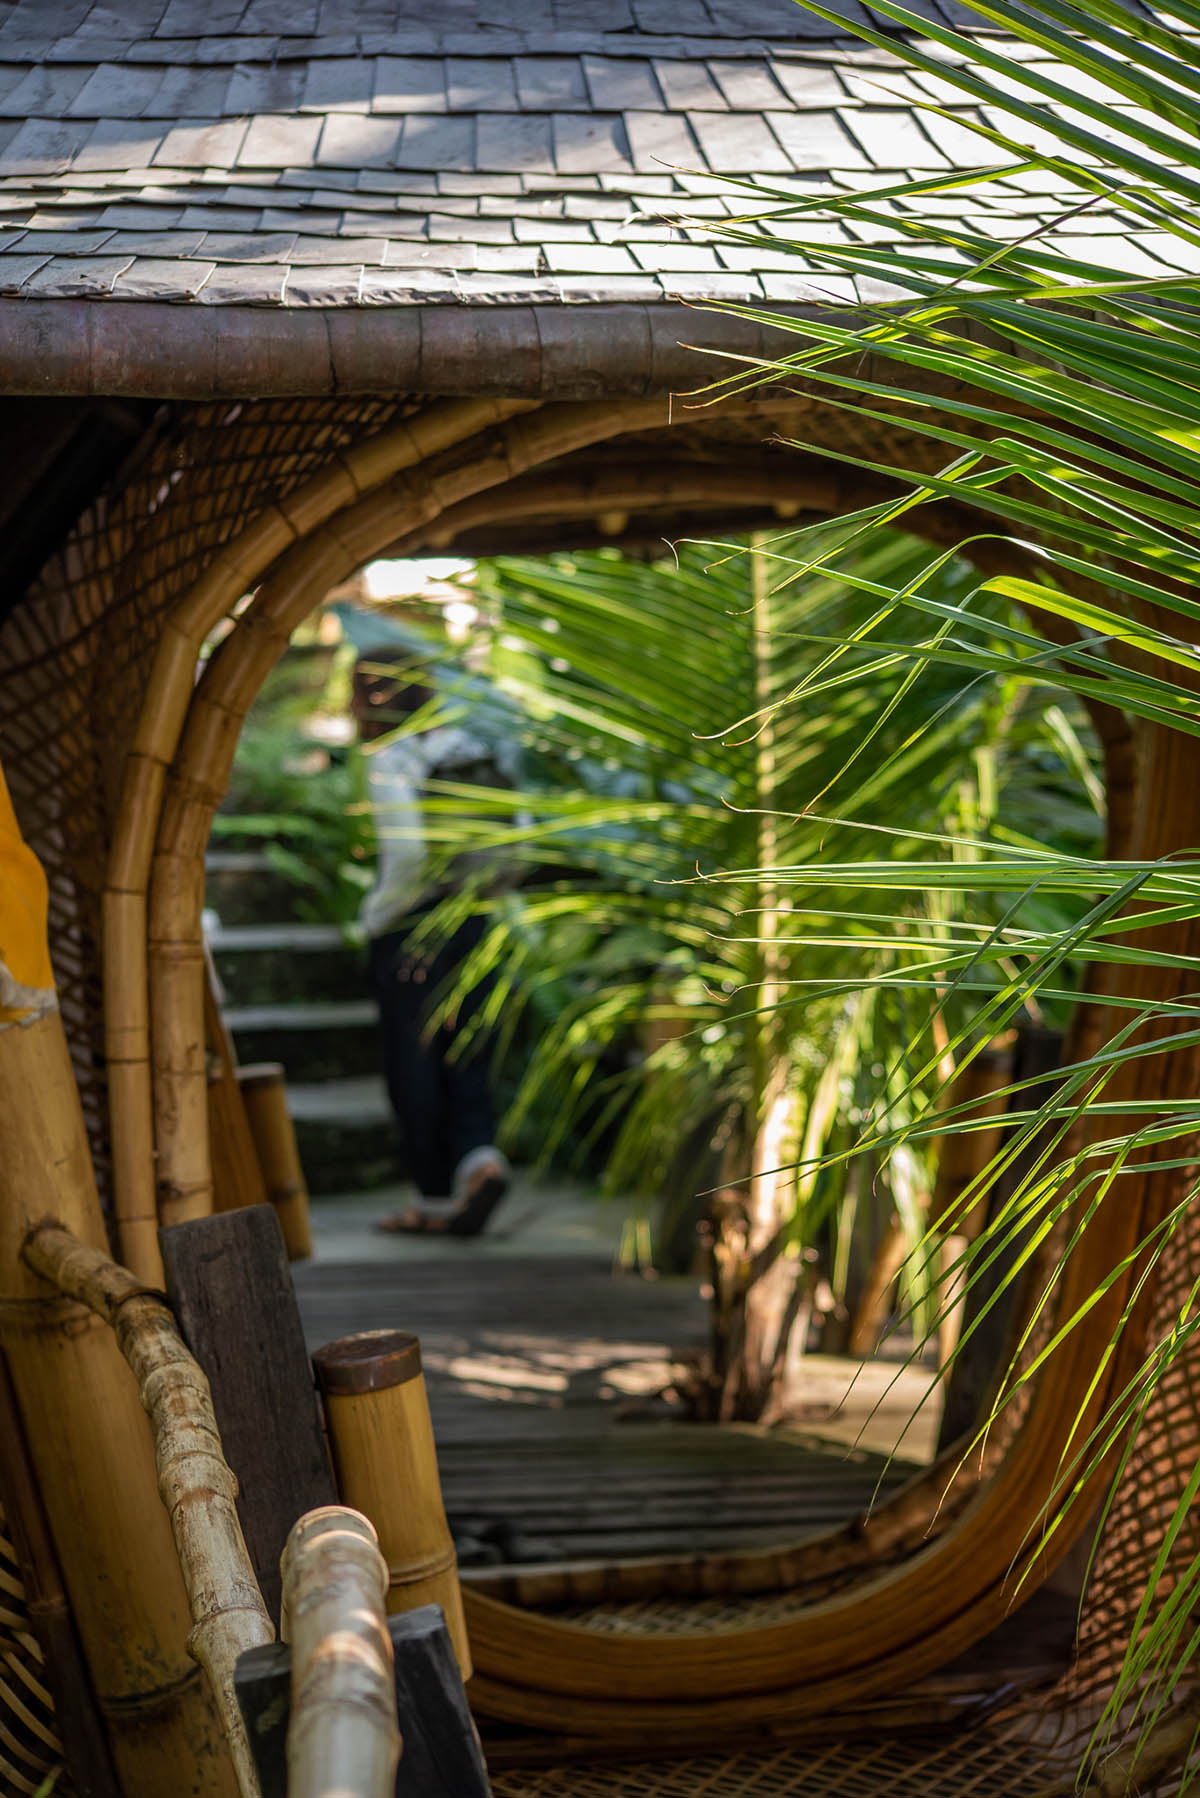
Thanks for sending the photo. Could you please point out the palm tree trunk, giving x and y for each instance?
(762, 1310)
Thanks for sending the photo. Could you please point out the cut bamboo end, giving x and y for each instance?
(386, 1466)
(343, 1736)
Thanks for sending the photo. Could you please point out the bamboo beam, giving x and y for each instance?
(194, 1481)
(343, 1736)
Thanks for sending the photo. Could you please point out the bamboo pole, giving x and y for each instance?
(343, 1737)
(194, 1481)
(265, 1099)
(385, 1464)
(237, 1175)
(90, 1447)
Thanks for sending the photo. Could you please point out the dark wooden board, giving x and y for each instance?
(441, 1755)
(230, 1287)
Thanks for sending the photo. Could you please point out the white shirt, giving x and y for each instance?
(396, 776)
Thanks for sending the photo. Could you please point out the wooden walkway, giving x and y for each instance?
(545, 1374)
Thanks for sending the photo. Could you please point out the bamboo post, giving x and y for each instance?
(343, 1737)
(91, 1452)
(77, 1719)
(194, 1481)
(385, 1463)
(265, 1099)
(237, 1176)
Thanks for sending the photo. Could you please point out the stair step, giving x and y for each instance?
(360, 1102)
(345, 1134)
(330, 1014)
(241, 886)
(315, 1041)
(259, 964)
(300, 939)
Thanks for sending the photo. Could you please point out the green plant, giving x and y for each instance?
(666, 735)
(1059, 399)
(299, 802)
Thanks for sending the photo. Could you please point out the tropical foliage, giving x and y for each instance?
(1068, 419)
(686, 721)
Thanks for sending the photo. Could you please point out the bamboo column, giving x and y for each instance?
(90, 1445)
(194, 1480)
(386, 1466)
(342, 1737)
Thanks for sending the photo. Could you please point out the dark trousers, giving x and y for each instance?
(442, 1101)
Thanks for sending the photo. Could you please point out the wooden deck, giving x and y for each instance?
(545, 1375)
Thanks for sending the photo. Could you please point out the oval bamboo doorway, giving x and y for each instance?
(914, 1603)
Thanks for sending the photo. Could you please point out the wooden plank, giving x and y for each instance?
(442, 1757)
(230, 1287)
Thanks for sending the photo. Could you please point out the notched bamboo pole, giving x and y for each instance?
(343, 1737)
(196, 1485)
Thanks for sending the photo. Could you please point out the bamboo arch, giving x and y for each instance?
(394, 489)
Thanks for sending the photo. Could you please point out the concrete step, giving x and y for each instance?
(260, 964)
(345, 1133)
(327, 1040)
(241, 886)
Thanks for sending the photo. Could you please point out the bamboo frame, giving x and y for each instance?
(233, 571)
(195, 1482)
(860, 1642)
(90, 1446)
(342, 1734)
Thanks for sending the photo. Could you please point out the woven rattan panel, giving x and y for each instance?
(955, 1767)
(30, 1751)
(76, 654)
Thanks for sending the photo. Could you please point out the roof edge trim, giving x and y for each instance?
(152, 350)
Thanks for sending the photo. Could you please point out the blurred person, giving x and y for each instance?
(441, 1099)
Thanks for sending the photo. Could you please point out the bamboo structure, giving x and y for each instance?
(456, 462)
(195, 1483)
(343, 1737)
(264, 1097)
(868, 1638)
(91, 1449)
(385, 1463)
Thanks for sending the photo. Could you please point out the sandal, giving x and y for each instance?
(412, 1222)
(482, 1179)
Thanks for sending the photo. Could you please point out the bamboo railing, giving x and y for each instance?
(194, 1481)
(343, 1736)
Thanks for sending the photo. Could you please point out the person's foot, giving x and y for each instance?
(480, 1182)
(412, 1222)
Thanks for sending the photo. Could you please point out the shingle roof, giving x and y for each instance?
(332, 153)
